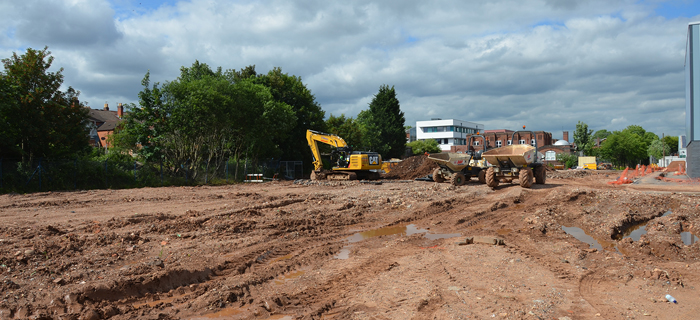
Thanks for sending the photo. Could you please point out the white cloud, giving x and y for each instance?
(542, 63)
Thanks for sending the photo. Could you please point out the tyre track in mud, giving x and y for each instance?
(264, 253)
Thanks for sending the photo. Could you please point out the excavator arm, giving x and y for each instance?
(313, 137)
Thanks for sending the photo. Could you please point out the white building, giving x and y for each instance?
(449, 132)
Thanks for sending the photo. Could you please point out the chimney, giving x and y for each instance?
(106, 107)
(566, 136)
(120, 110)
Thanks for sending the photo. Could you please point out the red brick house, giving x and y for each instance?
(102, 124)
(547, 148)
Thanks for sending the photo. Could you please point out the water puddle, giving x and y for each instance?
(688, 238)
(221, 314)
(407, 230)
(290, 276)
(592, 242)
(287, 257)
(344, 253)
(634, 232)
(637, 230)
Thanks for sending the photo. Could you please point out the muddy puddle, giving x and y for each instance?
(633, 232)
(593, 242)
(290, 276)
(688, 238)
(229, 312)
(406, 230)
(637, 230)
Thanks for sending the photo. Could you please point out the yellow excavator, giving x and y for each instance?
(347, 164)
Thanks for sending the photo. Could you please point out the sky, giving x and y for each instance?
(545, 64)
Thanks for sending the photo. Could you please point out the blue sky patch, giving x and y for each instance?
(678, 8)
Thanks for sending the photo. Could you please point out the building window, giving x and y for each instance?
(499, 143)
(532, 142)
(476, 143)
(510, 142)
(550, 156)
(521, 141)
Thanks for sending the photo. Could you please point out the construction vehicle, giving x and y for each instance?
(454, 167)
(477, 162)
(347, 164)
(458, 168)
(514, 162)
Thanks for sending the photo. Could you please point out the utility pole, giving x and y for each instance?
(663, 149)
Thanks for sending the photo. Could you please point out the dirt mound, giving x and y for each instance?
(569, 174)
(411, 168)
(675, 166)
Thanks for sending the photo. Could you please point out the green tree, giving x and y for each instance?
(290, 90)
(39, 119)
(203, 117)
(383, 124)
(672, 143)
(582, 136)
(658, 149)
(601, 134)
(346, 128)
(624, 148)
(569, 160)
(422, 146)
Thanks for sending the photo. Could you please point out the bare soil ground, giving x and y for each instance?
(353, 250)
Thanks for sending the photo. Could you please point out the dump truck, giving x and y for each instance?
(514, 162)
(453, 167)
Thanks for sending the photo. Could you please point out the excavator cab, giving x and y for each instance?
(341, 156)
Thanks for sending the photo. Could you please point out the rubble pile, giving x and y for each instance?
(411, 168)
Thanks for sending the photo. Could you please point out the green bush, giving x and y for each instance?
(569, 160)
(422, 146)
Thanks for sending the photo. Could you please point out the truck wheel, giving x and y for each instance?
(457, 179)
(437, 176)
(490, 178)
(525, 177)
(540, 175)
(482, 176)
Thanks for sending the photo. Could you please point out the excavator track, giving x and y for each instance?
(341, 175)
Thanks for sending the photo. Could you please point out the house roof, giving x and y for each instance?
(109, 125)
(103, 115)
(562, 143)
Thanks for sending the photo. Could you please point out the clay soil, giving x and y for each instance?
(353, 250)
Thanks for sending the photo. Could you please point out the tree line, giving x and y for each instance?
(628, 147)
(204, 116)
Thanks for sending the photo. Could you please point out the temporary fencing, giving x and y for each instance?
(81, 174)
(628, 175)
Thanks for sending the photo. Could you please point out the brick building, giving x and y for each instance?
(102, 124)
(547, 148)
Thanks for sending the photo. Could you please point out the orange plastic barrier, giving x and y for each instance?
(623, 178)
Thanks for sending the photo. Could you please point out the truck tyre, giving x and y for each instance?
(457, 179)
(525, 177)
(540, 175)
(437, 176)
(482, 176)
(490, 178)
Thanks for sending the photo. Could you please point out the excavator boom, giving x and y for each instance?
(348, 165)
(312, 137)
